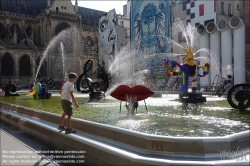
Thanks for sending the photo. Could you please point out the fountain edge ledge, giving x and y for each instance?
(195, 147)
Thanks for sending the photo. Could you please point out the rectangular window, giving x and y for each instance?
(238, 7)
(192, 15)
(192, 4)
(122, 23)
(222, 7)
(184, 6)
(230, 9)
(201, 10)
(214, 5)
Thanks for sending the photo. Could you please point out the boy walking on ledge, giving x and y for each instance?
(66, 100)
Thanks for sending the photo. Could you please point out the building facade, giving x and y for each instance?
(222, 28)
(64, 36)
(113, 41)
(124, 20)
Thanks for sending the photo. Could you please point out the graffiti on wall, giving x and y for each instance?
(150, 25)
(111, 38)
(107, 37)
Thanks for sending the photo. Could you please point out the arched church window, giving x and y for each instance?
(25, 66)
(38, 36)
(88, 44)
(39, 32)
(18, 32)
(60, 27)
(43, 69)
(7, 65)
(28, 31)
(2, 31)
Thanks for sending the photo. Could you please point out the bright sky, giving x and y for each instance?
(103, 5)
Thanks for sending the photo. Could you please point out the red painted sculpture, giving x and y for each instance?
(135, 93)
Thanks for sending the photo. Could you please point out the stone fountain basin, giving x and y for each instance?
(106, 144)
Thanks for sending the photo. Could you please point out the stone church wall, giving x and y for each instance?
(44, 27)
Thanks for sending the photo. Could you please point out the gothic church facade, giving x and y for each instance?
(29, 32)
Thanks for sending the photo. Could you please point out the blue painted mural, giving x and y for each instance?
(150, 25)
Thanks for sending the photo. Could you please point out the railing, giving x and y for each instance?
(52, 12)
(8, 44)
(62, 14)
(18, 15)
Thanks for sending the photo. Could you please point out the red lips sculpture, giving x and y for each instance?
(136, 93)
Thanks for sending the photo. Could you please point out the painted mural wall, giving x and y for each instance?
(111, 37)
(150, 25)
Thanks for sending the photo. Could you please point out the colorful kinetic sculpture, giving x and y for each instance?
(188, 69)
(35, 91)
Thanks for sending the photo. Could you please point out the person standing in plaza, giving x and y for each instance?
(67, 97)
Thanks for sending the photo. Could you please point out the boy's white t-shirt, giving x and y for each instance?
(66, 88)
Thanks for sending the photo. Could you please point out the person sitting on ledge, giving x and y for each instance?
(66, 100)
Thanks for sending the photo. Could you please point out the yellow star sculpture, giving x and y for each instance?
(189, 56)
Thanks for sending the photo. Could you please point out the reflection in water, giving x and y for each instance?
(166, 115)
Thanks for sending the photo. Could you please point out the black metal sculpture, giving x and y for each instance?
(10, 89)
(97, 89)
(48, 83)
(239, 96)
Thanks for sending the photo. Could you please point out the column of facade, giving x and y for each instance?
(7, 28)
(204, 57)
(214, 43)
(30, 39)
(33, 64)
(48, 38)
(15, 35)
(41, 32)
(16, 67)
(247, 25)
(226, 47)
(238, 27)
